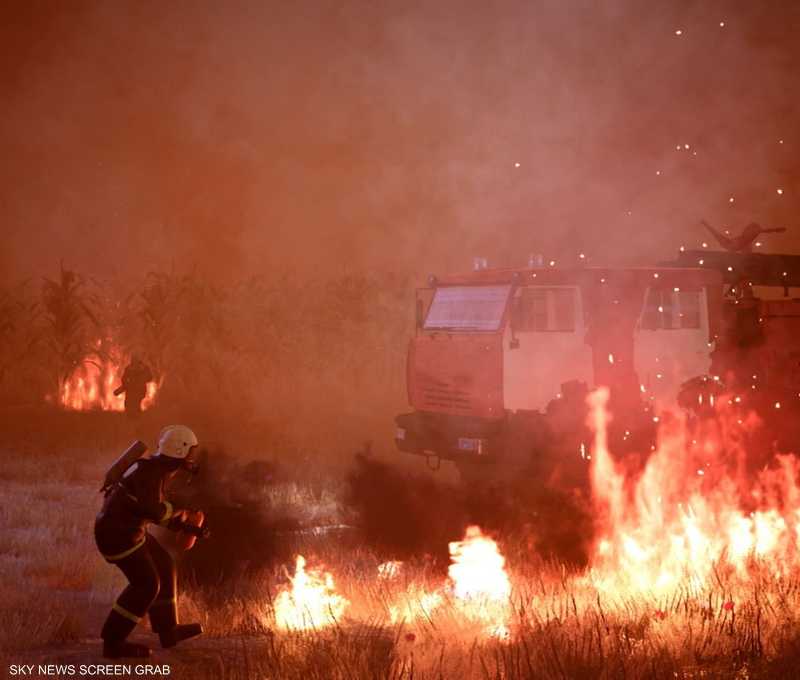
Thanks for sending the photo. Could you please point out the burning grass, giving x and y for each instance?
(668, 592)
(92, 384)
(417, 625)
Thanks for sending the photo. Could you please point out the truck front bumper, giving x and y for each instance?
(449, 437)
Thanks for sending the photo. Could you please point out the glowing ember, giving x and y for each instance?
(683, 520)
(311, 602)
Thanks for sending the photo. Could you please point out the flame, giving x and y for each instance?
(416, 603)
(91, 386)
(480, 582)
(693, 513)
(478, 568)
(689, 522)
(477, 586)
(311, 602)
(389, 570)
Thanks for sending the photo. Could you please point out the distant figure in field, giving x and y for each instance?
(744, 242)
(134, 385)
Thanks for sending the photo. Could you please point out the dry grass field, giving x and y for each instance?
(55, 591)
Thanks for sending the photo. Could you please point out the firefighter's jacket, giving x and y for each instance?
(138, 499)
(135, 379)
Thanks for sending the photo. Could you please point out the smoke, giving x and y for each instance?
(232, 495)
(319, 142)
(256, 137)
(405, 515)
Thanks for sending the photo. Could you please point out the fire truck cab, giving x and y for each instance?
(501, 360)
(497, 352)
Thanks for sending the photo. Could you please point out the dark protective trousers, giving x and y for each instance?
(133, 402)
(152, 588)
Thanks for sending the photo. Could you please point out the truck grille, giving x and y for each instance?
(444, 395)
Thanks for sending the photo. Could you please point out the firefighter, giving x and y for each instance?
(122, 538)
(134, 385)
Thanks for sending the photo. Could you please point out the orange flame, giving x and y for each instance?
(480, 582)
(311, 602)
(416, 603)
(477, 582)
(478, 569)
(688, 516)
(389, 570)
(91, 386)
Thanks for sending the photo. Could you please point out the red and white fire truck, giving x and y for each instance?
(501, 360)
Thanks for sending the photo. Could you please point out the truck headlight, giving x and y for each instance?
(400, 433)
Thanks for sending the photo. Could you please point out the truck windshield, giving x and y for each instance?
(467, 308)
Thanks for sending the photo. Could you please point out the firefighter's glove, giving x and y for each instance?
(178, 519)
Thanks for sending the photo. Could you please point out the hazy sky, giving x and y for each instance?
(319, 136)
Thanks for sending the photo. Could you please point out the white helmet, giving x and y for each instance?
(176, 441)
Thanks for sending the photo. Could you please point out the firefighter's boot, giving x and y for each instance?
(115, 631)
(124, 649)
(179, 633)
(164, 621)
